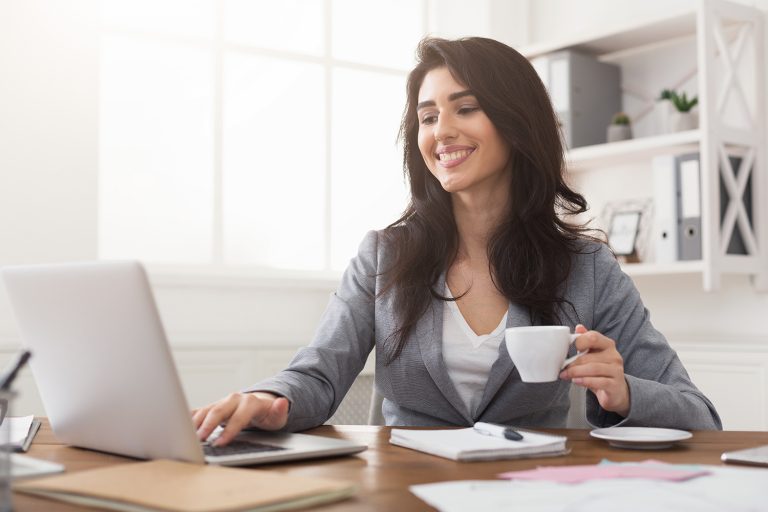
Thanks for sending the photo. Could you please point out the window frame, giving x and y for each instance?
(216, 271)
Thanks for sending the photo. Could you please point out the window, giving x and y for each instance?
(251, 132)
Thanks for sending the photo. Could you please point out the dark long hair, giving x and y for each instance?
(530, 251)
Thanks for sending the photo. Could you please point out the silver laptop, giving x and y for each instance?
(105, 373)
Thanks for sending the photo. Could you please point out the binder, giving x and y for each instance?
(677, 197)
(665, 227)
(688, 207)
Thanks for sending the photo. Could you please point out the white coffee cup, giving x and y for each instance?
(539, 351)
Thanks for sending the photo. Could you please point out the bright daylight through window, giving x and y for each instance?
(251, 132)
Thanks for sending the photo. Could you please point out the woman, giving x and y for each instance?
(483, 245)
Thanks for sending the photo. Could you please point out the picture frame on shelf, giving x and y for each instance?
(628, 228)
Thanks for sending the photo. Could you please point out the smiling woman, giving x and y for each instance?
(485, 244)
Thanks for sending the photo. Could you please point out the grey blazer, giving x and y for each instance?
(418, 391)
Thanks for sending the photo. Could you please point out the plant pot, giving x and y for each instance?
(663, 112)
(617, 132)
(683, 121)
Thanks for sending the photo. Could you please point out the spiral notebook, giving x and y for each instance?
(466, 444)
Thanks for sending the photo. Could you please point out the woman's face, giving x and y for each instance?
(459, 144)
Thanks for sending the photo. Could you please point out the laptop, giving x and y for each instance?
(106, 376)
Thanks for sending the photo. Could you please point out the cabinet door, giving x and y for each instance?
(735, 382)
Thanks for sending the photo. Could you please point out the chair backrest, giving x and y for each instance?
(357, 405)
(577, 414)
(375, 416)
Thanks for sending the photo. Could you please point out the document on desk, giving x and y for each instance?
(735, 490)
(576, 474)
(182, 487)
(21, 431)
(466, 444)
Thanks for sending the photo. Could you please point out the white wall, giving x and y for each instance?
(227, 333)
(505, 20)
(48, 141)
(48, 131)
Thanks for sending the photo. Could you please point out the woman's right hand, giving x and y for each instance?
(240, 410)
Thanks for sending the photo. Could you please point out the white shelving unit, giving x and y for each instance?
(729, 72)
(644, 148)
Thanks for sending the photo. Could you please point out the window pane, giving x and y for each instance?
(368, 189)
(274, 162)
(290, 25)
(177, 17)
(375, 32)
(156, 151)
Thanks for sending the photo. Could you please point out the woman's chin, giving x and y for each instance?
(451, 185)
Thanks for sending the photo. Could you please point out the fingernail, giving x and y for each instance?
(577, 380)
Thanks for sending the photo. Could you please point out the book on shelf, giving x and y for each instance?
(466, 444)
(179, 486)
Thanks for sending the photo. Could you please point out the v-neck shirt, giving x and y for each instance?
(467, 355)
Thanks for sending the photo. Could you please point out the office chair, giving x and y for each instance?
(359, 404)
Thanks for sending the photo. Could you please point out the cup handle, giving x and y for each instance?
(578, 354)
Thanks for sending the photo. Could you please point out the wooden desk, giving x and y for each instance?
(384, 472)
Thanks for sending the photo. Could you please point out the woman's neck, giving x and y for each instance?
(477, 217)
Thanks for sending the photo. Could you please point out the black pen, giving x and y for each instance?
(502, 431)
(7, 378)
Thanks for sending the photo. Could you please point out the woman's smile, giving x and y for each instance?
(451, 156)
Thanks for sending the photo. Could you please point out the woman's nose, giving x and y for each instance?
(445, 129)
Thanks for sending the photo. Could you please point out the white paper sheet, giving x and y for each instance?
(19, 428)
(732, 489)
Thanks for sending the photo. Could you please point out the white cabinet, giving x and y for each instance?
(715, 50)
(733, 374)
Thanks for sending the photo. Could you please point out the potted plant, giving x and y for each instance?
(620, 128)
(683, 118)
(663, 110)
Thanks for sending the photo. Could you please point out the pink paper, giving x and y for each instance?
(577, 474)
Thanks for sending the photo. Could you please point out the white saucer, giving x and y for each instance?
(641, 438)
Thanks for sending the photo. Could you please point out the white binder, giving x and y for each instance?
(689, 208)
(665, 228)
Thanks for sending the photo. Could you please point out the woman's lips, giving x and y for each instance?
(454, 157)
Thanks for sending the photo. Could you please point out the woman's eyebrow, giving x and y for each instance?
(451, 97)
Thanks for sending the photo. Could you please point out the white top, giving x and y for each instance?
(467, 356)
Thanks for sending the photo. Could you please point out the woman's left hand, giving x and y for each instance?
(601, 371)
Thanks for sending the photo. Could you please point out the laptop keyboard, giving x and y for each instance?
(239, 448)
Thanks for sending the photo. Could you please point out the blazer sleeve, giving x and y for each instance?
(319, 376)
(661, 393)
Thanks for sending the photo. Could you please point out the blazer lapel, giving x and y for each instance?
(429, 331)
(503, 366)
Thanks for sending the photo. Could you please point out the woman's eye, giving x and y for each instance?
(428, 119)
(468, 110)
